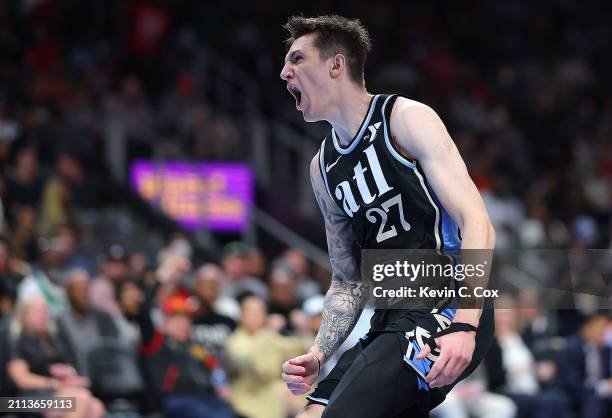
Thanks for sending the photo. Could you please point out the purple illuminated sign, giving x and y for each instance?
(217, 196)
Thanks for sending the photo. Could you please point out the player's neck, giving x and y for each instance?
(349, 111)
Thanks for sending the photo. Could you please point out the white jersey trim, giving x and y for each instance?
(392, 150)
(322, 169)
(364, 126)
(413, 167)
(320, 400)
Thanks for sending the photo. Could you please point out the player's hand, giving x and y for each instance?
(299, 373)
(456, 352)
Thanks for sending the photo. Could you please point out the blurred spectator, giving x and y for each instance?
(38, 365)
(114, 268)
(150, 22)
(469, 398)
(505, 210)
(10, 278)
(180, 104)
(256, 354)
(539, 326)
(184, 376)
(82, 327)
(66, 191)
(129, 296)
(222, 142)
(24, 233)
(48, 277)
(282, 301)
(210, 327)
(93, 344)
(235, 266)
(585, 373)
(9, 131)
(256, 263)
(24, 183)
(138, 262)
(511, 369)
(129, 119)
(305, 286)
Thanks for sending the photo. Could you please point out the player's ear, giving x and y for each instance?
(338, 65)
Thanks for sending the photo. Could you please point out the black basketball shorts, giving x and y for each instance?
(380, 378)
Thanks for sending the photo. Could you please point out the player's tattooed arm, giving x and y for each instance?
(347, 294)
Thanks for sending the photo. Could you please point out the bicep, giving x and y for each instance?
(340, 239)
(421, 133)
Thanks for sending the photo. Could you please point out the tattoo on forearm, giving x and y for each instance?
(347, 294)
(343, 305)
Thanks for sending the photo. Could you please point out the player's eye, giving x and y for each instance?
(297, 58)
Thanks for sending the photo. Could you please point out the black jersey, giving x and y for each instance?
(387, 197)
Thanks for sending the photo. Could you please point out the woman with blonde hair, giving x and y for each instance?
(37, 366)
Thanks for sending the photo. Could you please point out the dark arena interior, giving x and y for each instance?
(161, 250)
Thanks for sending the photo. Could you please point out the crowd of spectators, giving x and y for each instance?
(163, 336)
(87, 86)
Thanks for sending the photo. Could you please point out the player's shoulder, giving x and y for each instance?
(408, 108)
(409, 117)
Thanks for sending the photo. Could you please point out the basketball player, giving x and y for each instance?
(387, 176)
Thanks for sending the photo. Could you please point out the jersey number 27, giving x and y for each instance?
(382, 212)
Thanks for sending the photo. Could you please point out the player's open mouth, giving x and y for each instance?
(297, 94)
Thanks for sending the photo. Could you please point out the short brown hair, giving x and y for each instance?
(335, 35)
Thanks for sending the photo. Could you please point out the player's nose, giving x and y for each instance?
(286, 72)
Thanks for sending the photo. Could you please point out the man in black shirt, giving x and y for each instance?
(184, 375)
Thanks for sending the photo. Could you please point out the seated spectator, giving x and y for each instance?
(82, 327)
(469, 398)
(255, 354)
(130, 296)
(282, 301)
(210, 327)
(234, 262)
(81, 184)
(46, 280)
(114, 269)
(585, 373)
(538, 324)
(511, 370)
(9, 279)
(24, 183)
(257, 264)
(92, 340)
(38, 365)
(305, 286)
(24, 233)
(183, 375)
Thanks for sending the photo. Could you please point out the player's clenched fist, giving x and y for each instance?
(299, 373)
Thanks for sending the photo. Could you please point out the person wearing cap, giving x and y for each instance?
(183, 375)
(113, 269)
